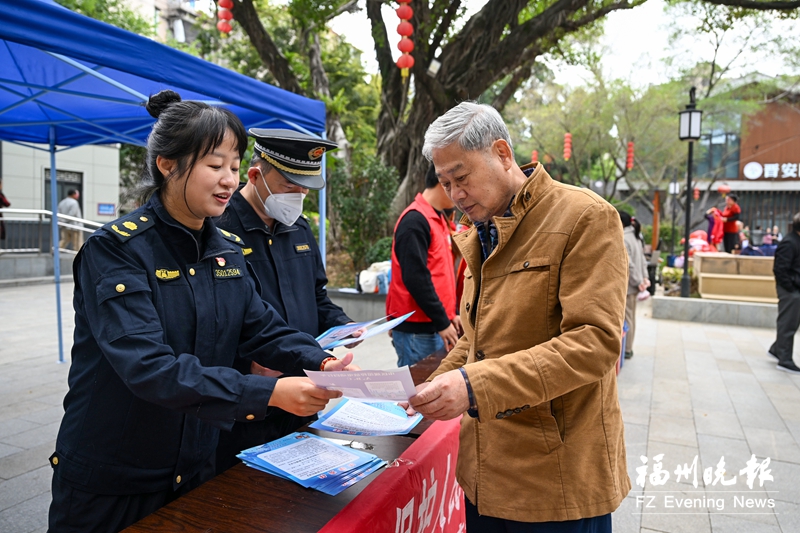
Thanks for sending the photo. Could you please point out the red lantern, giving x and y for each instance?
(224, 14)
(403, 1)
(629, 162)
(404, 12)
(405, 45)
(223, 26)
(567, 146)
(405, 29)
(405, 61)
(696, 193)
(723, 189)
(535, 156)
(225, 4)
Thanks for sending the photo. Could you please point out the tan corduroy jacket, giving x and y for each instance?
(542, 332)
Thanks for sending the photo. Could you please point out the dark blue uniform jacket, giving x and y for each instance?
(288, 265)
(159, 319)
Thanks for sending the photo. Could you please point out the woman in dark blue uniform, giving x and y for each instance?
(163, 304)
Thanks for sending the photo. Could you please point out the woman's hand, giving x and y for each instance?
(341, 364)
(300, 396)
(356, 334)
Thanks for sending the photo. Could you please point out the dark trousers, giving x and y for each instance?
(75, 511)
(730, 241)
(788, 322)
(488, 524)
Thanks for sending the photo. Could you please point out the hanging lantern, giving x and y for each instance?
(629, 162)
(405, 61)
(224, 16)
(724, 189)
(404, 12)
(405, 45)
(696, 193)
(567, 146)
(535, 156)
(406, 30)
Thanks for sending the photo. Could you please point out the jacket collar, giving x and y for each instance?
(211, 241)
(531, 192)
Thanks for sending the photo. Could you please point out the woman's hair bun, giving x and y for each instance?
(160, 101)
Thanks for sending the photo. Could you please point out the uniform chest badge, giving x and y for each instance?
(301, 248)
(220, 261)
(165, 274)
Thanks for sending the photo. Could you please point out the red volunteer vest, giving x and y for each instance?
(440, 264)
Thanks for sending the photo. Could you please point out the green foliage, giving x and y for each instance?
(362, 202)
(664, 235)
(115, 12)
(380, 251)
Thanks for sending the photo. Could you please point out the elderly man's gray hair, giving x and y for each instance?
(474, 126)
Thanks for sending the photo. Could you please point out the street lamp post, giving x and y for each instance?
(689, 130)
(674, 189)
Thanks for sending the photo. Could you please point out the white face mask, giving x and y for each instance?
(285, 208)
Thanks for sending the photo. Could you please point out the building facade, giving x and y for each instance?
(92, 170)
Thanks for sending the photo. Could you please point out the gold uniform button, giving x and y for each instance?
(191, 272)
(251, 417)
(120, 288)
(178, 479)
(55, 460)
(270, 242)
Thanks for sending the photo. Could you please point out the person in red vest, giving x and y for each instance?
(423, 278)
(730, 232)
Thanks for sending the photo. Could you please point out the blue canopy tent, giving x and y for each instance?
(67, 80)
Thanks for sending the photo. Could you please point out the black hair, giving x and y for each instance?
(70, 192)
(637, 229)
(431, 180)
(185, 131)
(796, 222)
(733, 197)
(260, 162)
(625, 218)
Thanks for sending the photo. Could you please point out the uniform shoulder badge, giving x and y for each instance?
(129, 226)
(231, 236)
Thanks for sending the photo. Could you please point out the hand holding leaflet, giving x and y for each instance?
(342, 335)
(378, 385)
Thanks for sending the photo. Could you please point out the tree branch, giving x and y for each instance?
(778, 5)
(443, 26)
(245, 13)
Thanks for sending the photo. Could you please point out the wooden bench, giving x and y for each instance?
(722, 276)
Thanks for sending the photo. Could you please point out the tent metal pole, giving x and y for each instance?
(323, 208)
(54, 225)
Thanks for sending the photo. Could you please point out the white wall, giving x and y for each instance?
(23, 176)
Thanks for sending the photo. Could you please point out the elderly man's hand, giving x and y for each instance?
(444, 398)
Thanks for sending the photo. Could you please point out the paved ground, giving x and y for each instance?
(691, 390)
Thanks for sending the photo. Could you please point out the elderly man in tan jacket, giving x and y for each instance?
(541, 445)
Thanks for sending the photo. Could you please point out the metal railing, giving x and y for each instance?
(28, 230)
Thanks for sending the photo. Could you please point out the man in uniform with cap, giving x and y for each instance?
(266, 213)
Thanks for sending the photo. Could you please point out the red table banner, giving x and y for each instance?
(417, 493)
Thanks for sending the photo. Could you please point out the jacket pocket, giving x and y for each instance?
(126, 305)
(532, 263)
(549, 427)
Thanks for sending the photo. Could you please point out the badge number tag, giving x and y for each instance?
(227, 272)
